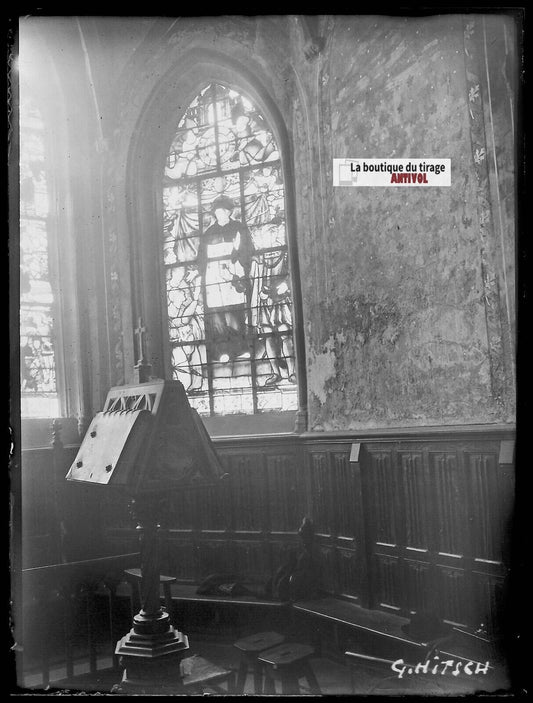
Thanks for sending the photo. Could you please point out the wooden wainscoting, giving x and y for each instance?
(437, 516)
(405, 520)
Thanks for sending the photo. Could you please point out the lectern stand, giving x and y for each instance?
(153, 648)
(147, 443)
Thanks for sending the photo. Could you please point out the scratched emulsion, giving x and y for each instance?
(397, 334)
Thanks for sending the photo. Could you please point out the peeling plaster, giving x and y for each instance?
(400, 271)
(322, 369)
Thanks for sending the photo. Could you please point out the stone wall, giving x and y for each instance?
(407, 292)
(398, 282)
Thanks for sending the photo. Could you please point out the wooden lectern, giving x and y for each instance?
(147, 442)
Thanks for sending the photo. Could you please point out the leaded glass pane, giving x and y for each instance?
(233, 403)
(188, 364)
(225, 253)
(263, 196)
(38, 372)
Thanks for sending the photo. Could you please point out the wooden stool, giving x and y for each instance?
(200, 674)
(250, 647)
(292, 662)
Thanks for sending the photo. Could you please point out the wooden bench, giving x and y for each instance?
(375, 632)
(191, 607)
(187, 592)
(380, 634)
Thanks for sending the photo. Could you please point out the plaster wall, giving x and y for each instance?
(407, 292)
(393, 288)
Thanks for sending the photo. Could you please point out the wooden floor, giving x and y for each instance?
(333, 677)
(337, 674)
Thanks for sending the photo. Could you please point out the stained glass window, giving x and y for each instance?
(39, 396)
(226, 261)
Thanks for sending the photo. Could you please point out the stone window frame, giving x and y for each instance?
(147, 155)
(48, 98)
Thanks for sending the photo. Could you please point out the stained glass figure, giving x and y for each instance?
(224, 258)
(39, 396)
(225, 253)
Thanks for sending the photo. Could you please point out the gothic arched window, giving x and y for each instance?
(39, 396)
(227, 275)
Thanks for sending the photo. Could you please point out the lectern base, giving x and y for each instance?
(152, 677)
(151, 653)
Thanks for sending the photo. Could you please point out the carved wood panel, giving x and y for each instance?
(215, 557)
(417, 593)
(285, 491)
(350, 574)
(183, 510)
(484, 506)
(415, 496)
(489, 602)
(327, 559)
(383, 494)
(322, 493)
(387, 582)
(427, 519)
(251, 559)
(449, 491)
(39, 521)
(212, 508)
(279, 552)
(455, 598)
(181, 559)
(435, 513)
(248, 492)
(345, 496)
